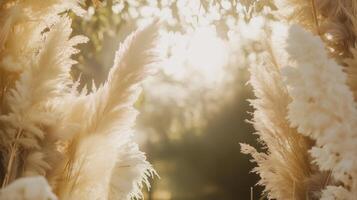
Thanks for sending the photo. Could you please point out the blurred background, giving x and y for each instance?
(194, 111)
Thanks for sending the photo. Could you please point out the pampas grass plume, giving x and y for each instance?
(80, 143)
(327, 113)
(284, 169)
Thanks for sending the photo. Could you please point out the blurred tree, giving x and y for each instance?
(108, 22)
(207, 165)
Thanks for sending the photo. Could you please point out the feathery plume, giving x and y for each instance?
(82, 143)
(130, 172)
(22, 23)
(28, 188)
(334, 20)
(323, 108)
(107, 116)
(46, 77)
(336, 23)
(285, 168)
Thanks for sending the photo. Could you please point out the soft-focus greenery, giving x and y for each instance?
(109, 21)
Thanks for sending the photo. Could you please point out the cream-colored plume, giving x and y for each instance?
(323, 108)
(303, 93)
(285, 167)
(35, 64)
(106, 117)
(319, 73)
(335, 21)
(81, 143)
(32, 188)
